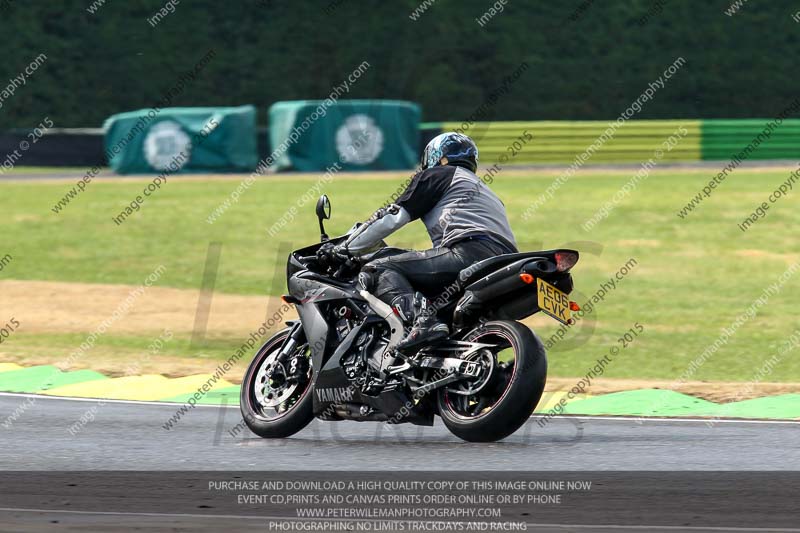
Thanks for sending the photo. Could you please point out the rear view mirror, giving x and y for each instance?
(323, 213)
(323, 207)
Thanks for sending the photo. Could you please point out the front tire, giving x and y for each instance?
(514, 389)
(275, 412)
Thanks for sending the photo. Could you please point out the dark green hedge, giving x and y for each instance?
(587, 59)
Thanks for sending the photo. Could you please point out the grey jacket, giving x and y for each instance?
(452, 202)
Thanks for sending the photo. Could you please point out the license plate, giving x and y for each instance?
(553, 301)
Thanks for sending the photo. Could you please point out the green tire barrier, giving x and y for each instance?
(313, 135)
(645, 402)
(191, 139)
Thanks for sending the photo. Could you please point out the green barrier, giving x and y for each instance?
(635, 141)
(313, 135)
(564, 141)
(721, 139)
(192, 139)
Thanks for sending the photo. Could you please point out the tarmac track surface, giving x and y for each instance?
(645, 466)
(131, 436)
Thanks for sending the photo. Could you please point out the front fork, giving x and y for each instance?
(295, 338)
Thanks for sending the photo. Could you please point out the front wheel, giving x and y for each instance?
(276, 398)
(495, 405)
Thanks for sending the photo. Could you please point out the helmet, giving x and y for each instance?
(456, 147)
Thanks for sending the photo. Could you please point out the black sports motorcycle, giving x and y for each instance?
(338, 361)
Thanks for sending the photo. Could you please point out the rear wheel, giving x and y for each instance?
(500, 401)
(276, 398)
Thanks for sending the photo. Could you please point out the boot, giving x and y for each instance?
(427, 327)
(403, 307)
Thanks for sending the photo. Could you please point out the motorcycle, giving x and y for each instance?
(338, 362)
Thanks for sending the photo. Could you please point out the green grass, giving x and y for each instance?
(694, 276)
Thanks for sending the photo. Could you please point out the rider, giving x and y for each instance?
(466, 222)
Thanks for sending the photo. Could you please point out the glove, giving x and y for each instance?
(341, 251)
(325, 252)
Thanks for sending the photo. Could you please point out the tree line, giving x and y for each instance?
(585, 60)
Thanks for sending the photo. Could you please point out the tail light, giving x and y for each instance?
(565, 260)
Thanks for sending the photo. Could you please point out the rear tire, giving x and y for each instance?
(297, 416)
(518, 393)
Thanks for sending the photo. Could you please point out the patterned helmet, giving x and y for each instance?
(456, 147)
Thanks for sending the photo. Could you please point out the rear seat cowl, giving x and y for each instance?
(481, 268)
